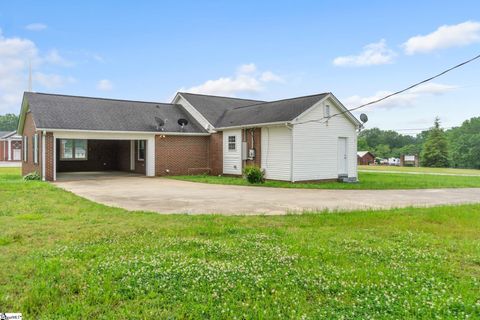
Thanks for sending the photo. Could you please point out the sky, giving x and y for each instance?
(266, 50)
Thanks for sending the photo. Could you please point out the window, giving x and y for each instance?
(141, 150)
(25, 149)
(35, 148)
(232, 145)
(327, 111)
(73, 149)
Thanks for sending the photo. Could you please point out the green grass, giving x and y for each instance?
(368, 180)
(62, 256)
(422, 170)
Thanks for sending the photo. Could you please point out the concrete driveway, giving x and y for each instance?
(171, 196)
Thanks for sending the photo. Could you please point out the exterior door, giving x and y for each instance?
(17, 154)
(342, 156)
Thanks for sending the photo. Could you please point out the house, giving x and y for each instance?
(10, 146)
(306, 138)
(365, 158)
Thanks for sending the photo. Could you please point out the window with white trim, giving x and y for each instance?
(35, 148)
(73, 149)
(232, 143)
(141, 150)
(25, 148)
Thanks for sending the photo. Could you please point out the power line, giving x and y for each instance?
(399, 91)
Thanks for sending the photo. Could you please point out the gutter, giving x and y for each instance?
(254, 125)
(130, 132)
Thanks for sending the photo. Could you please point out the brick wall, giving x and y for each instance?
(257, 145)
(49, 173)
(29, 130)
(216, 153)
(3, 148)
(181, 155)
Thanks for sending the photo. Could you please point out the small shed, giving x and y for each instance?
(365, 158)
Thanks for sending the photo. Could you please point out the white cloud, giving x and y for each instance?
(15, 55)
(406, 99)
(51, 81)
(246, 80)
(104, 85)
(53, 57)
(446, 36)
(372, 54)
(247, 68)
(36, 26)
(269, 76)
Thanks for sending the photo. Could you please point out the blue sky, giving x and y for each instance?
(147, 50)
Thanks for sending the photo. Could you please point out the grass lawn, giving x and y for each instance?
(62, 256)
(421, 170)
(368, 180)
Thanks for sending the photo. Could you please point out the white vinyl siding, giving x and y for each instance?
(277, 152)
(232, 159)
(316, 153)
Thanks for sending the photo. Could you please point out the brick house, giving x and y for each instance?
(10, 146)
(365, 158)
(304, 138)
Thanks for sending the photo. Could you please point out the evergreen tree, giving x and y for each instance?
(435, 148)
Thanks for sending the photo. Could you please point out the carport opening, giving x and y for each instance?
(81, 157)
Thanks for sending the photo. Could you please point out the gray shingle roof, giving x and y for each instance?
(213, 107)
(267, 112)
(55, 111)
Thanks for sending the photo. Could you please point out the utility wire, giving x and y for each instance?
(397, 92)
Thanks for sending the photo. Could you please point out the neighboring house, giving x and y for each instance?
(293, 139)
(365, 158)
(10, 146)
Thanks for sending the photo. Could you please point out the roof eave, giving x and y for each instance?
(253, 125)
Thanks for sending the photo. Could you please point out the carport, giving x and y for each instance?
(81, 154)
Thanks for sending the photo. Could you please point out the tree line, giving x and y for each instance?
(458, 147)
(8, 122)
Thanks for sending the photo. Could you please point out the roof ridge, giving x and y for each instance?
(257, 104)
(214, 96)
(98, 98)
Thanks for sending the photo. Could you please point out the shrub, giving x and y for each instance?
(32, 176)
(254, 174)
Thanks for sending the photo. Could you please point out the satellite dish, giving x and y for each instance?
(182, 122)
(160, 121)
(363, 117)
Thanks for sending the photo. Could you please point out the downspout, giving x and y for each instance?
(43, 155)
(292, 177)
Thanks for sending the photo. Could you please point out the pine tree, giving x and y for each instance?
(435, 148)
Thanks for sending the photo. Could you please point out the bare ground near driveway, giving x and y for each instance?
(173, 196)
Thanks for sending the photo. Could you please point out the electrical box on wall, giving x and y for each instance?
(251, 154)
